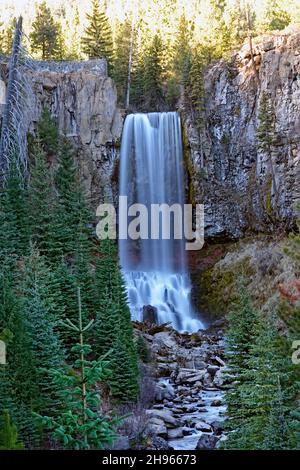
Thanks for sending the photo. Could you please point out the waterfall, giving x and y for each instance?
(152, 172)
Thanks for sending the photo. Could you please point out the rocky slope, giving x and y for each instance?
(228, 172)
(189, 374)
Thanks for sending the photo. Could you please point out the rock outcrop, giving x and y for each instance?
(228, 173)
(83, 100)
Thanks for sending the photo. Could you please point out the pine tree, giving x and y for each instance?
(73, 211)
(7, 321)
(13, 217)
(16, 377)
(266, 362)
(276, 17)
(40, 320)
(266, 127)
(182, 52)
(195, 89)
(290, 313)
(8, 433)
(137, 82)
(43, 220)
(60, 52)
(114, 328)
(243, 324)
(44, 34)
(2, 33)
(277, 435)
(238, 29)
(8, 302)
(122, 61)
(153, 94)
(48, 133)
(97, 42)
(7, 37)
(74, 27)
(143, 349)
(81, 425)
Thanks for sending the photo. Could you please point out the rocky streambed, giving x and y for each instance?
(190, 376)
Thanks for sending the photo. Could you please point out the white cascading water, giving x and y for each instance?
(151, 172)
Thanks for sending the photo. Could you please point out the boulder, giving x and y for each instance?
(219, 361)
(187, 431)
(150, 314)
(223, 377)
(164, 391)
(158, 429)
(163, 339)
(190, 376)
(165, 369)
(164, 415)
(219, 378)
(207, 380)
(159, 443)
(212, 370)
(176, 433)
(216, 402)
(202, 426)
(218, 427)
(207, 442)
(196, 363)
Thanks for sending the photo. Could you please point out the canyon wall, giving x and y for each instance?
(83, 101)
(243, 189)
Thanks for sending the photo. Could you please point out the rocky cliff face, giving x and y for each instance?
(83, 100)
(228, 172)
(243, 189)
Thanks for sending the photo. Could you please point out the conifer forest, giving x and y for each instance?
(150, 217)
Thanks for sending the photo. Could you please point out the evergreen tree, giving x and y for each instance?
(45, 33)
(277, 435)
(74, 28)
(257, 370)
(2, 33)
(44, 223)
(122, 63)
(195, 89)
(153, 94)
(7, 319)
(97, 42)
(40, 319)
(60, 52)
(7, 37)
(8, 433)
(114, 328)
(13, 216)
(243, 323)
(238, 22)
(48, 134)
(266, 127)
(16, 377)
(142, 349)
(80, 425)
(182, 52)
(137, 82)
(73, 211)
(276, 17)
